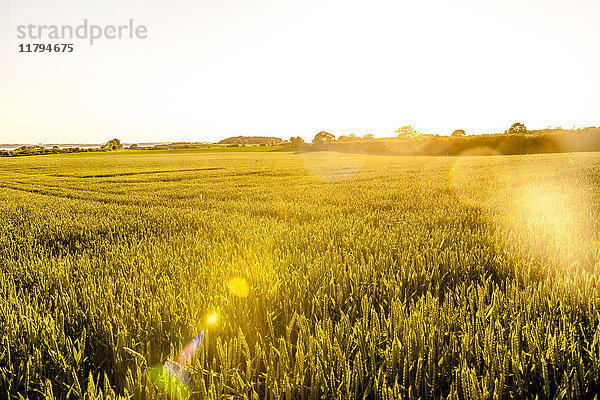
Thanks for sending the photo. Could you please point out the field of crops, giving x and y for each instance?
(370, 276)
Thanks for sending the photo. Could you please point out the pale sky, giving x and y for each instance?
(210, 70)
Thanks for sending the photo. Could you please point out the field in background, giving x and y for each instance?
(371, 276)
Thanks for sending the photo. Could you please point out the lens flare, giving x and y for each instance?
(173, 375)
(239, 287)
(185, 356)
(552, 219)
(173, 383)
(212, 319)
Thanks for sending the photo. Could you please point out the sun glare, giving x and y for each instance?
(212, 318)
(550, 220)
(238, 287)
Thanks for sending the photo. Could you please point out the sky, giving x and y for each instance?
(209, 70)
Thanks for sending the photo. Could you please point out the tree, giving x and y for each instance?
(323, 137)
(296, 142)
(112, 145)
(517, 127)
(458, 133)
(369, 136)
(406, 131)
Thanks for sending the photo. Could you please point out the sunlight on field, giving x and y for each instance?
(238, 287)
(314, 275)
(212, 318)
(477, 180)
(552, 220)
(546, 217)
(332, 167)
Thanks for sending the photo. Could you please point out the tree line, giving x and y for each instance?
(34, 150)
(517, 139)
(408, 141)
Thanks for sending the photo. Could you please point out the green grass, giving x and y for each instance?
(371, 276)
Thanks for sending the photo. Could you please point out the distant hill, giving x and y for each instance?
(251, 140)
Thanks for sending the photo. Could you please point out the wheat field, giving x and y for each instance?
(370, 276)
